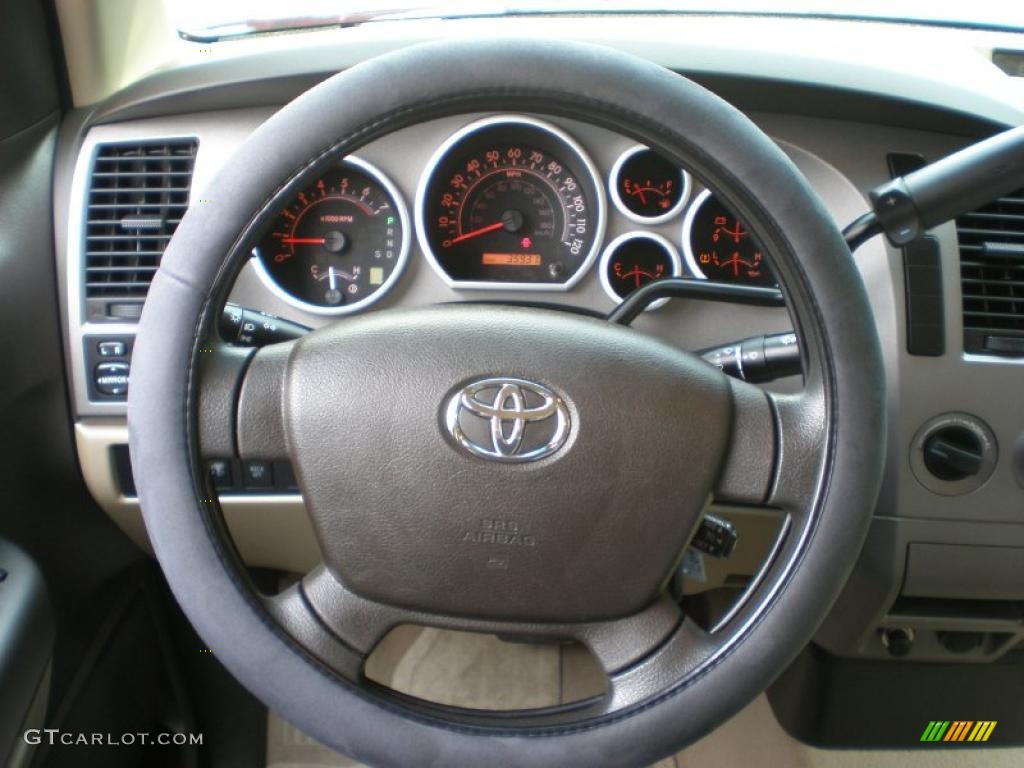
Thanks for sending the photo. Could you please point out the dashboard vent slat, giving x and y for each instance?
(155, 188)
(992, 275)
(138, 193)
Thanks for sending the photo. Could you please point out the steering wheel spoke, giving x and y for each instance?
(749, 466)
(357, 622)
(682, 651)
(621, 643)
(260, 428)
(360, 623)
(775, 439)
(293, 611)
(801, 436)
(240, 401)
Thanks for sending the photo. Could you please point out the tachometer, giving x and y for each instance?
(510, 202)
(339, 244)
(718, 245)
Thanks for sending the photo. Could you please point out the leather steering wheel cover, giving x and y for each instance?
(388, 93)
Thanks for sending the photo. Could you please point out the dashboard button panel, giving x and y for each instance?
(108, 366)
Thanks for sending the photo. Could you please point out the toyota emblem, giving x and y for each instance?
(510, 420)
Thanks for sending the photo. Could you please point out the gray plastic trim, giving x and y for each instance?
(971, 357)
(691, 214)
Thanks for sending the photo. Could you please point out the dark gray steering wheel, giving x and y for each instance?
(393, 534)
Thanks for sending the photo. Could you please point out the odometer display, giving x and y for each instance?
(510, 201)
(512, 259)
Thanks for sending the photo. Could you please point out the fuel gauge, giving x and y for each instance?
(647, 187)
(635, 259)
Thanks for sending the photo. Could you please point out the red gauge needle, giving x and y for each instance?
(303, 240)
(477, 232)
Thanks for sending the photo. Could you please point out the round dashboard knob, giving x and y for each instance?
(953, 453)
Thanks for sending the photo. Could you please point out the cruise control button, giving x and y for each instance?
(258, 474)
(111, 378)
(220, 473)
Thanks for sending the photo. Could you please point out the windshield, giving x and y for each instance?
(205, 20)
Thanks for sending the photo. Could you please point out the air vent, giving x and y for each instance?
(137, 195)
(992, 277)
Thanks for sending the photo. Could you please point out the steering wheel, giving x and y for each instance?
(392, 495)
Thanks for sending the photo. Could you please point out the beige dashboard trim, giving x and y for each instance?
(270, 531)
(274, 530)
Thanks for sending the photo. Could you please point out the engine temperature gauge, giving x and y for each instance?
(635, 259)
(646, 187)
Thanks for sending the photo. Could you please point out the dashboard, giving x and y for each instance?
(537, 209)
(507, 202)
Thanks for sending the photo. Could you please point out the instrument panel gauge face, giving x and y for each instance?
(647, 187)
(510, 202)
(635, 259)
(337, 245)
(719, 247)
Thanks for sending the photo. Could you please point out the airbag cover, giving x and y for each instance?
(406, 515)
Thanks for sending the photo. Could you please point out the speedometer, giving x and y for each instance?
(510, 202)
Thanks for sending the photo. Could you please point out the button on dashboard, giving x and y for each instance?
(220, 473)
(112, 348)
(111, 378)
(257, 474)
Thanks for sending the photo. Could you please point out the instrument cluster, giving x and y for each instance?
(506, 202)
